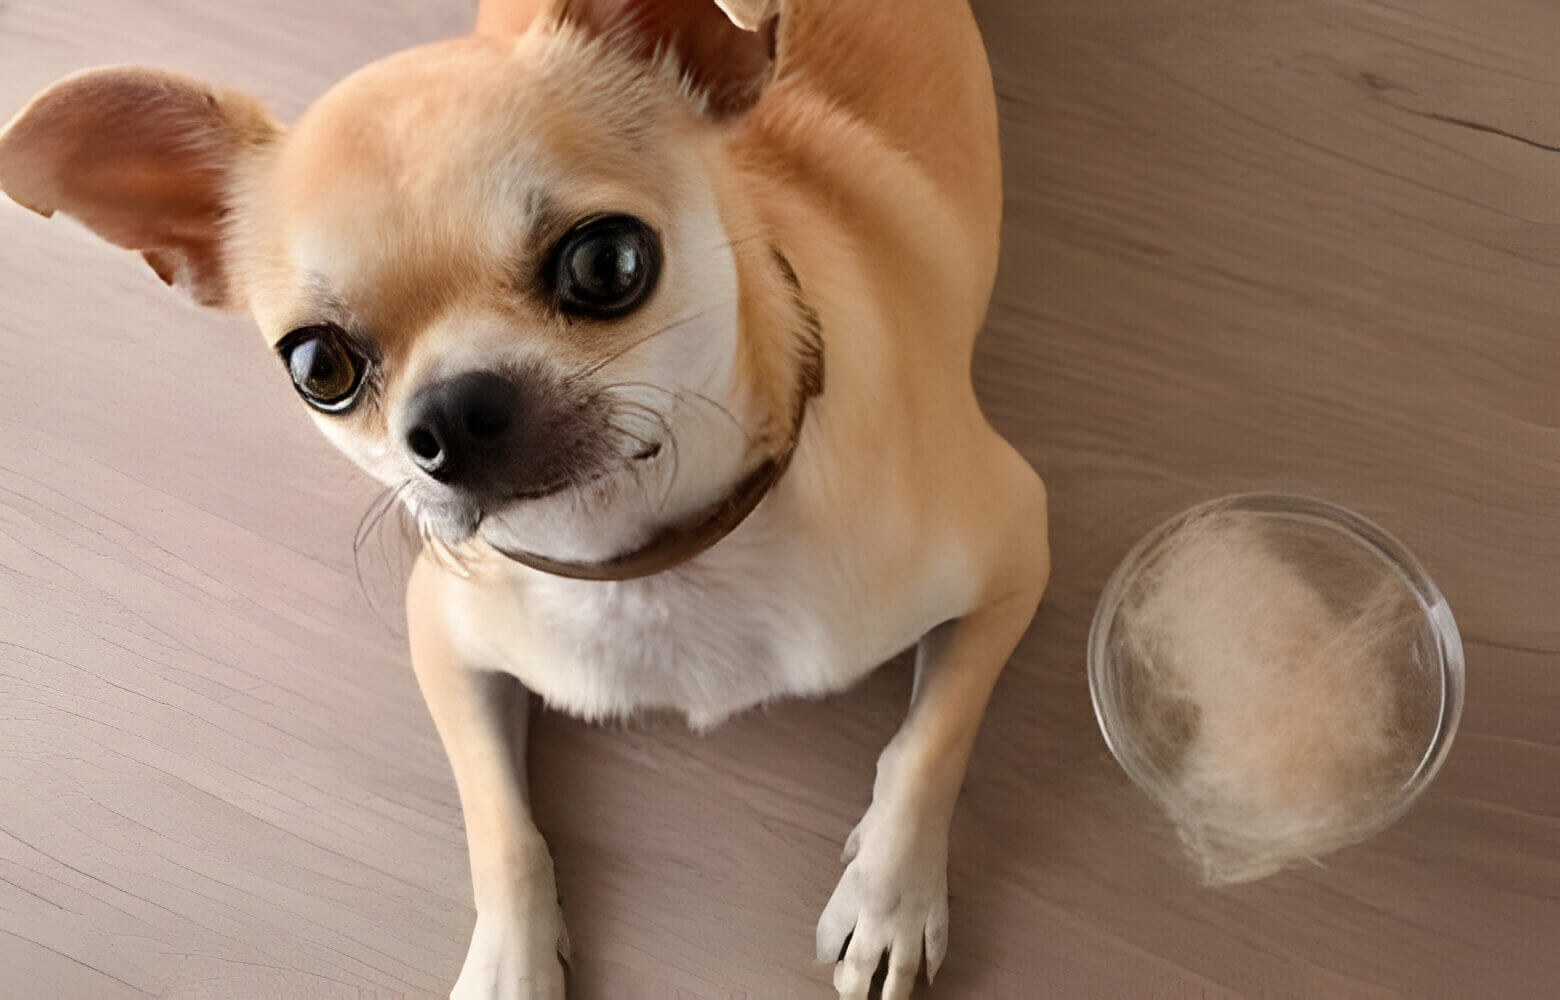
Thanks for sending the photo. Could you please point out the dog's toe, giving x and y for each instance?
(835, 926)
(904, 961)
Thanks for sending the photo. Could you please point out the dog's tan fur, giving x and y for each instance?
(865, 158)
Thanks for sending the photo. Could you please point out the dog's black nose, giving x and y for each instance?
(459, 430)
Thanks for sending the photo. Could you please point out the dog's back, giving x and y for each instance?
(884, 112)
(916, 70)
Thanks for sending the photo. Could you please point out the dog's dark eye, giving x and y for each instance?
(605, 267)
(326, 368)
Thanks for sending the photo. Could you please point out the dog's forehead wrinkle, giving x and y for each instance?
(322, 299)
(545, 213)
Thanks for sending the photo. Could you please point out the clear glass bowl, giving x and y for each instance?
(1161, 735)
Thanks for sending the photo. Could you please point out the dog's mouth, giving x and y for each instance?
(668, 547)
(565, 483)
(672, 545)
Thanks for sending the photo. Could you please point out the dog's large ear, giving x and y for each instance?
(726, 47)
(146, 160)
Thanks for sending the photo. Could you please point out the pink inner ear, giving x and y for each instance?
(145, 199)
(167, 202)
(725, 62)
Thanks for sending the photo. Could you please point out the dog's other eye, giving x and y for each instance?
(605, 267)
(327, 370)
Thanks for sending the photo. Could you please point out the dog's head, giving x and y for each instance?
(514, 278)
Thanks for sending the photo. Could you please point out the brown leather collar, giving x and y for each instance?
(678, 543)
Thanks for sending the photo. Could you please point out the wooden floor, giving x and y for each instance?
(1296, 244)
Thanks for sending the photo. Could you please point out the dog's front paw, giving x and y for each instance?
(891, 902)
(516, 955)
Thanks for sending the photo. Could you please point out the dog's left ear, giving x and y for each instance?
(726, 47)
(144, 158)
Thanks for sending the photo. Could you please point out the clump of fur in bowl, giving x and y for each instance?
(1273, 683)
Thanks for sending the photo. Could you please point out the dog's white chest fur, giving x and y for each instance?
(752, 620)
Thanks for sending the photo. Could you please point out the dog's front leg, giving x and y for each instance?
(481, 717)
(893, 898)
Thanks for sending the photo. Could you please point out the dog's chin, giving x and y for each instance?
(591, 520)
(448, 519)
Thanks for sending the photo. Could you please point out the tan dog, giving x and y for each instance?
(659, 317)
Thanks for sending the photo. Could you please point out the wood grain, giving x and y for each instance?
(1301, 244)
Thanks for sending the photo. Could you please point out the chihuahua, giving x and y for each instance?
(658, 316)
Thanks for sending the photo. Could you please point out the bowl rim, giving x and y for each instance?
(1448, 649)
